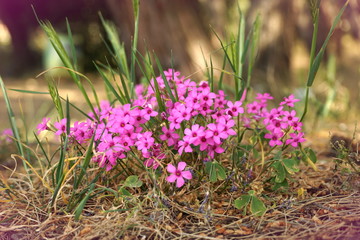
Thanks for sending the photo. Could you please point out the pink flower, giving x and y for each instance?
(169, 135)
(8, 133)
(216, 132)
(206, 97)
(253, 107)
(214, 149)
(60, 126)
(277, 124)
(151, 162)
(274, 138)
(289, 101)
(43, 125)
(296, 126)
(228, 124)
(290, 116)
(148, 112)
(178, 174)
(263, 97)
(234, 108)
(194, 133)
(145, 142)
(184, 145)
(295, 139)
(204, 142)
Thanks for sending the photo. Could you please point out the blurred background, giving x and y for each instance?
(179, 31)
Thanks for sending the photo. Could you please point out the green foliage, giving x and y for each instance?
(215, 170)
(13, 124)
(316, 60)
(133, 181)
(257, 207)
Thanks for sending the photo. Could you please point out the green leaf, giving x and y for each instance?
(312, 155)
(283, 184)
(257, 207)
(242, 202)
(133, 181)
(290, 165)
(280, 172)
(215, 171)
(251, 192)
(212, 173)
(220, 171)
(124, 192)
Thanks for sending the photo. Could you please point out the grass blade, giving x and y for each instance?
(315, 65)
(110, 86)
(81, 205)
(59, 48)
(166, 82)
(12, 121)
(85, 165)
(134, 46)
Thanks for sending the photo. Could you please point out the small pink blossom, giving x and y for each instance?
(60, 126)
(234, 108)
(295, 139)
(169, 135)
(178, 174)
(43, 125)
(8, 133)
(289, 101)
(274, 138)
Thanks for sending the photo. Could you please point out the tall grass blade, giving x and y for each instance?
(72, 45)
(253, 48)
(166, 82)
(134, 46)
(81, 205)
(85, 165)
(240, 50)
(110, 86)
(222, 72)
(28, 91)
(59, 48)
(54, 93)
(12, 121)
(42, 149)
(224, 48)
(315, 65)
(315, 61)
(60, 173)
(119, 55)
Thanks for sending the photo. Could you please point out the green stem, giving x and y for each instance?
(312, 57)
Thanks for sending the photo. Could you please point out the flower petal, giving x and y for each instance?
(170, 168)
(186, 174)
(180, 182)
(181, 166)
(171, 178)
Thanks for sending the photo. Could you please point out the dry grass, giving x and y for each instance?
(330, 210)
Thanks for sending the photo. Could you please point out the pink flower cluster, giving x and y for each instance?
(118, 130)
(199, 120)
(282, 125)
(7, 135)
